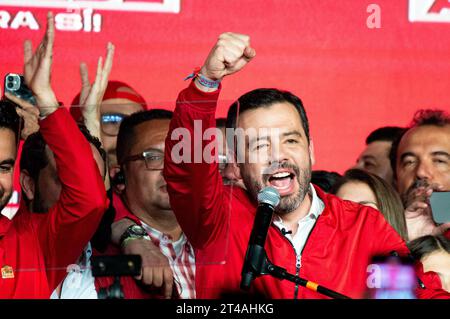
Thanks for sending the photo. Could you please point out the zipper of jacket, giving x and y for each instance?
(298, 258)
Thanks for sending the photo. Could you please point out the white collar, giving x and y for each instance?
(317, 207)
(9, 212)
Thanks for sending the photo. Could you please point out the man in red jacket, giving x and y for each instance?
(314, 235)
(36, 251)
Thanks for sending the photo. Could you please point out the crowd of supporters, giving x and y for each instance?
(109, 176)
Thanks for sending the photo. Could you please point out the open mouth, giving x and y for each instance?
(283, 181)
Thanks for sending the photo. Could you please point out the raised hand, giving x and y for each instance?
(230, 54)
(91, 95)
(37, 69)
(418, 215)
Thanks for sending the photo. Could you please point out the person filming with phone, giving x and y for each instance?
(420, 159)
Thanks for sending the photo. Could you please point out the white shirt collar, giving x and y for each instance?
(9, 212)
(317, 206)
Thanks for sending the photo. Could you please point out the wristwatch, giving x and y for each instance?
(133, 232)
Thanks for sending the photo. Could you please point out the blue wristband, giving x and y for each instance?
(203, 80)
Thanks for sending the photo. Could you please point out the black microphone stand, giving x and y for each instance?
(263, 266)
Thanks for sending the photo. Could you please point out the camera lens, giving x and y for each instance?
(10, 85)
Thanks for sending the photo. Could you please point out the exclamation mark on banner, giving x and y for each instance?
(87, 19)
(97, 22)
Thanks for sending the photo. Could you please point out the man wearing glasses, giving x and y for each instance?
(119, 101)
(143, 204)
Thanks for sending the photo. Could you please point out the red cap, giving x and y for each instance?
(112, 92)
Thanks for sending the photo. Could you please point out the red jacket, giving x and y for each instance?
(39, 247)
(132, 289)
(218, 220)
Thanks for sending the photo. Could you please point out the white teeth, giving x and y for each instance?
(281, 175)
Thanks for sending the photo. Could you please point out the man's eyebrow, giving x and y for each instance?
(402, 157)
(266, 137)
(369, 157)
(258, 138)
(9, 161)
(440, 153)
(156, 150)
(292, 133)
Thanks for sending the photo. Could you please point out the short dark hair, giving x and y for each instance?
(427, 244)
(33, 157)
(126, 135)
(221, 122)
(324, 179)
(9, 118)
(430, 117)
(422, 117)
(266, 97)
(385, 134)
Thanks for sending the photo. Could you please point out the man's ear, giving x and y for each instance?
(311, 152)
(27, 184)
(117, 176)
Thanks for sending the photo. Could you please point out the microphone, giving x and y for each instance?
(284, 232)
(268, 199)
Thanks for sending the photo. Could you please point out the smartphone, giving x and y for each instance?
(15, 85)
(117, 266)
(440, 207)
(391, 277)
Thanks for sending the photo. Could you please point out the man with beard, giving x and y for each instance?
(314, 235)
(420, 159)
(9, 134)
(35, 252)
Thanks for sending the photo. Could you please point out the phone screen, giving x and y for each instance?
(391, 277)
(440, 207)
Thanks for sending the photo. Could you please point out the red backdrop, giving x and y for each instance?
(351, 78)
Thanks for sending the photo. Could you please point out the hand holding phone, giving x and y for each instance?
(15, 85)
(440, 207)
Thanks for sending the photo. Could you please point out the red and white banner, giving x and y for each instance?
(353, 75)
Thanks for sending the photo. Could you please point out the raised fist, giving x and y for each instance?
(230, 54)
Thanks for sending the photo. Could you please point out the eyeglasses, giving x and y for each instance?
(154, 160)
(110, 123)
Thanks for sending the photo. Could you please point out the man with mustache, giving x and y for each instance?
(420, 159)
(314, 235)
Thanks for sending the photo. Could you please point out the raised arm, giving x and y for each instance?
(91, 95)
(71, 222)
(195, 187)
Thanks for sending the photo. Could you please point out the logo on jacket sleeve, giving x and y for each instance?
(7, 272)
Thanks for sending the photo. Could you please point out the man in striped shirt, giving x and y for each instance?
(143, 207)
